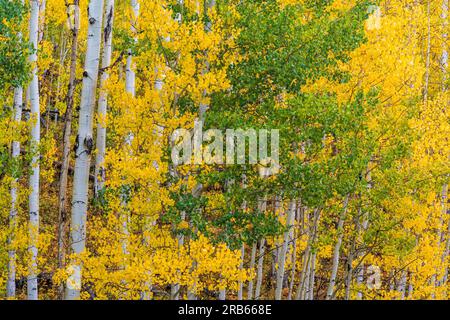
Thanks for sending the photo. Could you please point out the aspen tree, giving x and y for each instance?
(308, 255)
(336, 252)
(41, 27)
(312, 277)
(444, 194)
(32, 281)
(84, 148)
(15, 153)
(296, 232)
(130, 78)
(208, 4)
(351, 255)
(283, 251)
(260, 265)
(100, 176)
(63, 177)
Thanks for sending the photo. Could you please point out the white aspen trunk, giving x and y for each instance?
(410, 286)
(259, 273)
(360, 279)
(294, 237)
(364, 226)
(63, 178)
(351, 255)
(313, 221)
(130, 87)
(175, 288)
(42, 19)
(402, 285)
(100, 176)
(349, 273)
(15, 153)
(312, 278)
(307, 278)
(360, 276)
(276, 251)
(252, 267)
(305, 260)
(260, 264)
(202, 110)
(392, 280)
(336, 252)
(32, 283)
(84, 147)
(241, 285)
(130, 76)
(283, 251)
(444, 196)
(261, 208)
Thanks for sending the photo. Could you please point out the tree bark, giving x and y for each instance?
(336, 252)
(283, 251)
(294, 237)
(100, 176)
(84, 147)
(32, 284)
(65, 163)
(15, 153)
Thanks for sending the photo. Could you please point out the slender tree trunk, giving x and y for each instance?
(312, 278)
(349, 278)
(261, 208)
(84, 147)
(241, 285)
(305, 263)
(42, 7)
(222, 294)
(32, 283)
(410, 286)
(444, 196)
(15, 153)
(252, 267)
(100, 177)
(302, 289)
(312, 273)
(130, 77)
(63, 177)
(283, 251)
(402, 285)
(130, 87)
(294, 237)
(337, 249)
(259, 273)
